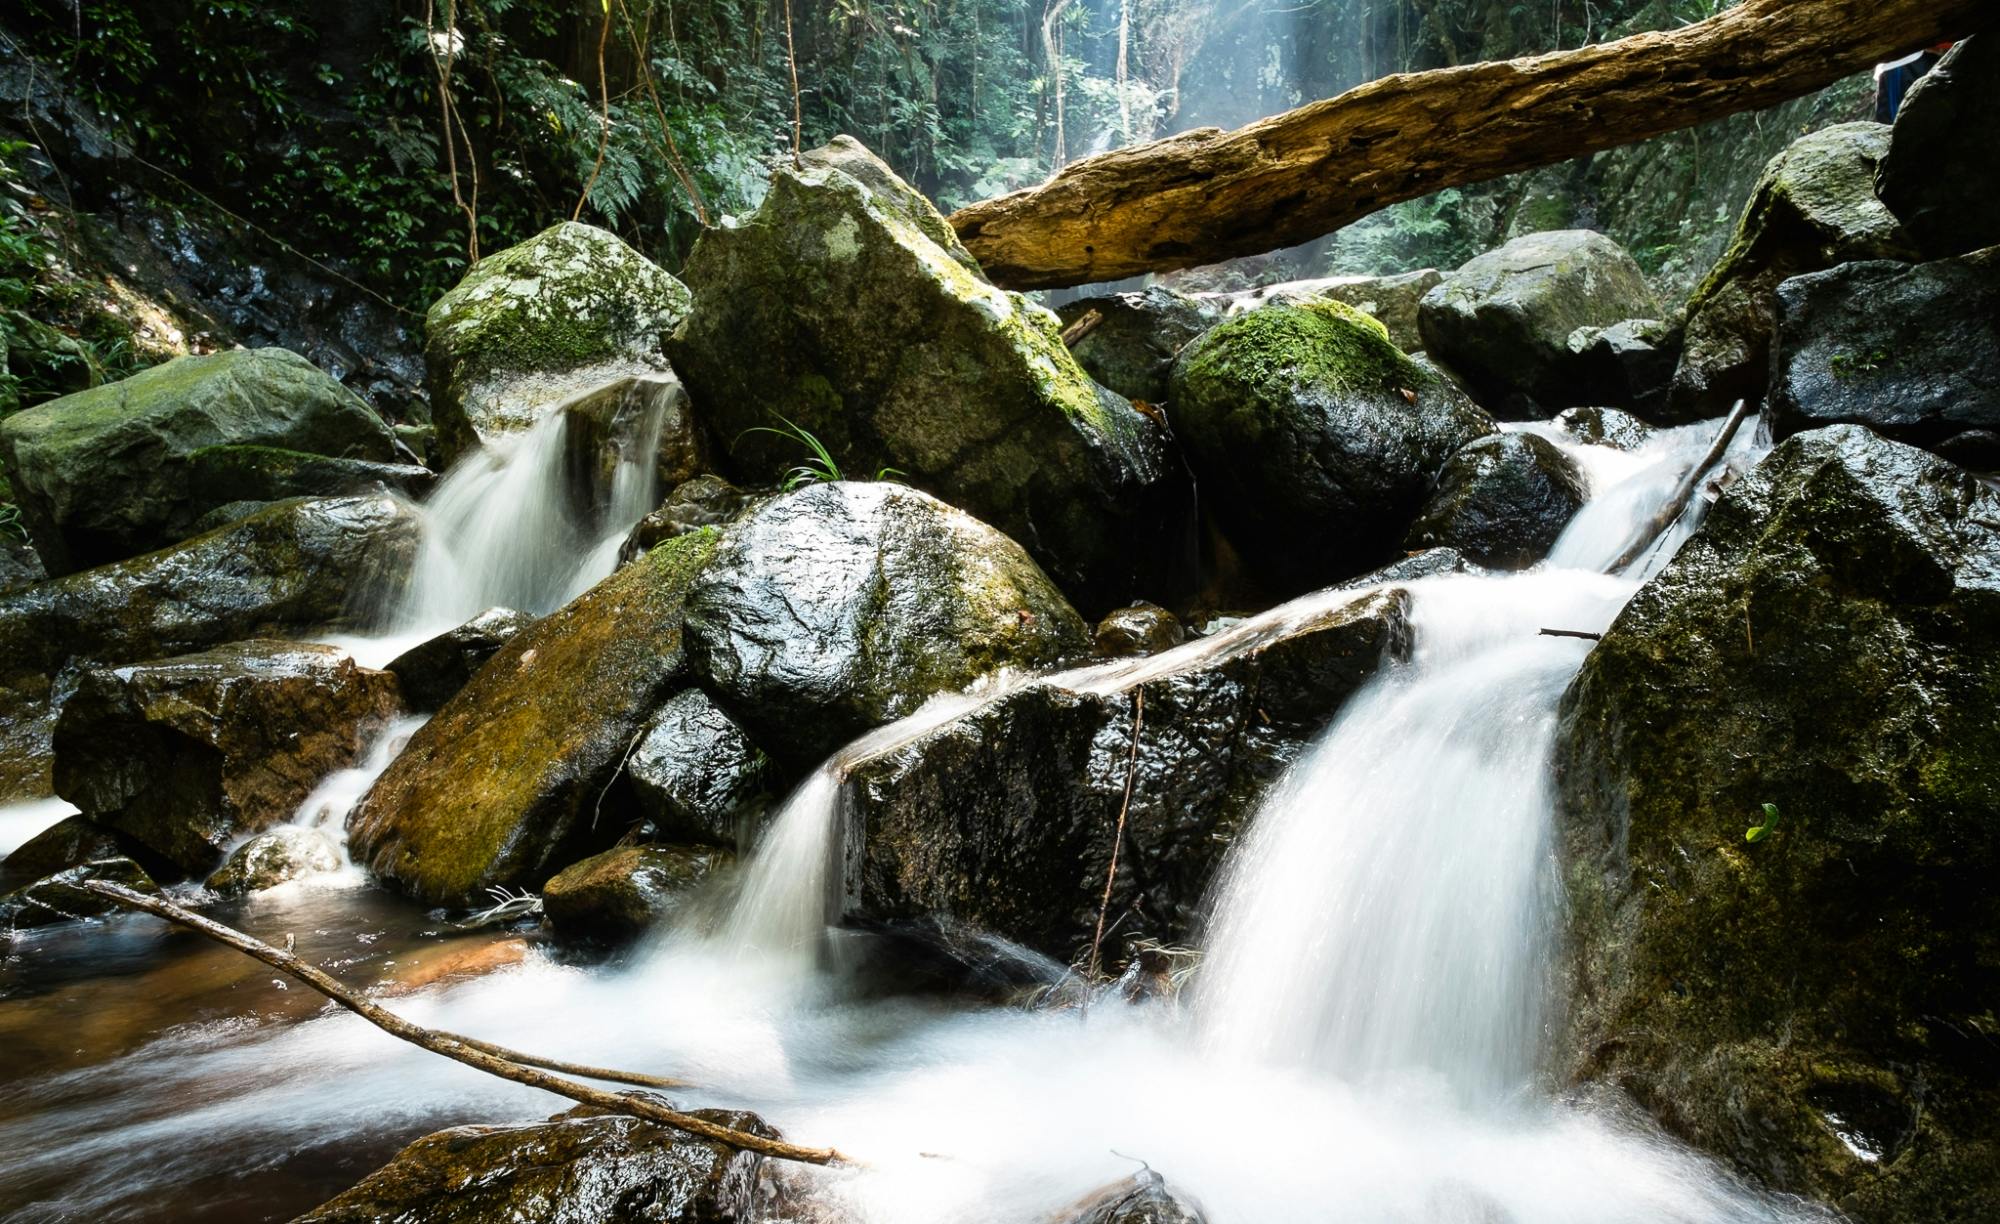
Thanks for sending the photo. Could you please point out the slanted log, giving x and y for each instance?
(1208, 194)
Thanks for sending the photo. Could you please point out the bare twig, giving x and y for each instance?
(1118, 839)
(448, 112)
(484, 1056)
(604, 115)
(1573, 633)
(1671, 510)
(642, 49)
(798, 108)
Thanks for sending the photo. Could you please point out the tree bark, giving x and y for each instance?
(1208, 195)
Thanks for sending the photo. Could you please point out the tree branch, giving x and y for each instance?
(1670, 510)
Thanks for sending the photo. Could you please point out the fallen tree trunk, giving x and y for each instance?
(1208, 195)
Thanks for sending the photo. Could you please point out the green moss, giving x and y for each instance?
(1327, 343)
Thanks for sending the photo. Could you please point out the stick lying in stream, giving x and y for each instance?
(492, 1059)
(1669, 511)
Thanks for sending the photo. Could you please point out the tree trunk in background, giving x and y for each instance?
(1208, 195)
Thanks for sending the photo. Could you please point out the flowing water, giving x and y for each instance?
(1360, 1043)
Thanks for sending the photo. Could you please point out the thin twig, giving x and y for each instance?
(1657, 525)
(1118, 839)
(642, 47)
(798, 108)
(1573, 633)
(494, 1060)
(604, 116)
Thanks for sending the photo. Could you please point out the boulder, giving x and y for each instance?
(220, 475)
(433, 672)
(1391, 300)
(1004, 818)
(275, 857)
(1808, 1002)
(1603, 427)
(500, 787)
(1502, 502)
(622, 893)
(1504, 320)
(1814, 207)
(705, 501)
(568, 310)
(1142, 629)
(1131, 343)
(1143, 1198)
(20, 565)
(186, 755)
(572, 1169)
(69, 842)
(840, 607)
(831, 314)
(1314, 438)
(106, 474)
(57, 898)
(1938, 178)
(1629, 364)
(1911, 351)
(695, 774)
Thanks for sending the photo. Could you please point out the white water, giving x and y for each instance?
(21, 821)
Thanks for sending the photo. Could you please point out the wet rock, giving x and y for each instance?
(20, 565)
(185, 755)
(610, 425)
(1814, 207)
(275, 857)
(1604, 427)
(1315, 439)
(221, 475)
(1810, 1005)
(1502, 501)
(1390, 300)
(832, 309)
(1629, 364)
(1941, 185)
(528, 328)
(58, 899)
(844, 606)
(1911, 351)
(1142, 629)
(1504, 320)
(695, 774)
(705, 501)
(432, 673)
(624, 892)
(568, 1170)
(1131, 345)
(105, 474)
(1143, 1198)
(499, 788)
(69, 842)
(1004, 818)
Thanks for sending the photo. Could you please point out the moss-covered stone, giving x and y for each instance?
(1306, 423)
(533, 325)
(1390, 300)
(626, 891)
(106, 473)
(1812, 1005)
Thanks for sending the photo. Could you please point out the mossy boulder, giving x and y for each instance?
(433, 672)
(276, 856)
(1391, 300)
(695, 773)
(1502, 502)
(1005, 817)
(1305, 424)
(1938, 177)
(107, 473)
(537, 323)
(1814, 207)
(1810, 1005)
(843, 606)
(1130, 344)
(1503, 321)
(189, 754)
(500, 787)
(619, 895)
(1911, 351)
(832, 309)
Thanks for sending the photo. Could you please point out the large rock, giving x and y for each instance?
(186, 755)
(567, 310)
(1813, 1005)
(844, 606)
(1912, 351)
(275, 857)
(695, 774)
(1939, 178)
(219, 475)
(1005, 817)
(1814, 207)
(1504, 320)
(624, 892)
(1502, 501)
(1629, 364)
(500, 788)
(833, 309)
(1392, 300)
(433, 672)
(105, 474)
(1315, 439)
(569, 1170)
(1131, 343)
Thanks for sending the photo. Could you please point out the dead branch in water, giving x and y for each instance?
(1671, 510)
(1573, 633)
(484, 1056)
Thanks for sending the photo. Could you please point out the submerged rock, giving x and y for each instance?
(433, 672)
(275, 857)
(569, 1170)
(1315, 439)
(1502, 501)
(695, 773)
(1807, 1004)
(1814, 207)
(1005, 817)
(844, 606)
(1911, 351)
(1504, 320)
(624, 892)
(58, 899)
(499, 788)
(1142, 629)
(1143, 1198)
(1604, 427)
(833, 310)
(528, 328)
(107, 473)
(1939, 179)
(185, 755)
(1391, 300)
(1131, 345)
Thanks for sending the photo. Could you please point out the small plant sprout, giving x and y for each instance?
(1758, 832)
(819, 464)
